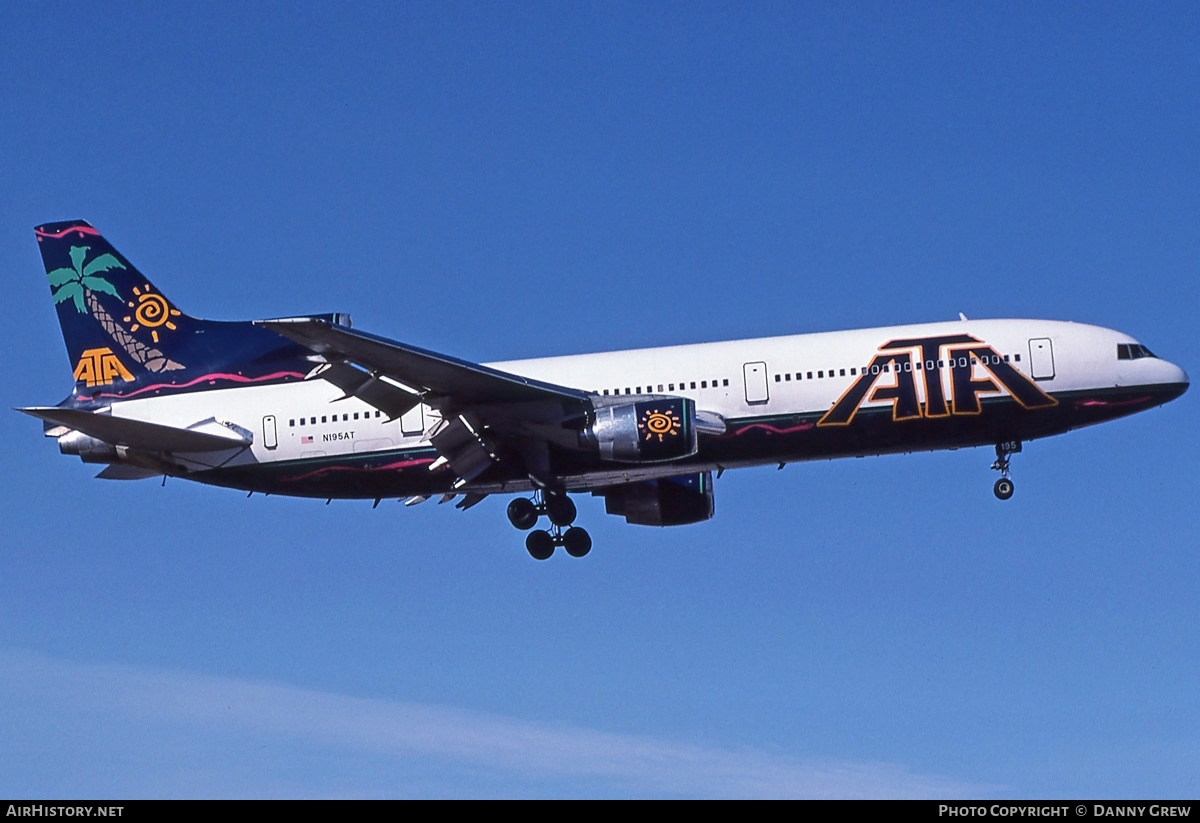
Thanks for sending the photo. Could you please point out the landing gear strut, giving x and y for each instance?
(523, 513)
(1004, 486)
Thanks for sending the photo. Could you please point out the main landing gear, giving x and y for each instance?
(523, 513)
(1004, 486)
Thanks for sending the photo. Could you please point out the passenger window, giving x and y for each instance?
(725, 382)
(810, 377)
(693, 384)
(842, 373)
(323, 418)
(301, 421)
(704, 384)
(292, 423)
(313, 420)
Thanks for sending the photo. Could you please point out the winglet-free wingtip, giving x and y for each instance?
(293, 321)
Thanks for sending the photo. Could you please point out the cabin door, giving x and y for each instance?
(756, 383)
(270, 437)
(1041, 358)
(413, 421)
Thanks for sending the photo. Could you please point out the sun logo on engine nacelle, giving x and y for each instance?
(152, 311)
(659, 424)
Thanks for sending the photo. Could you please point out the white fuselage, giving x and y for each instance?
(739, 380)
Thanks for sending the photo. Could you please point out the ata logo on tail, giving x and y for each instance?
(100, 367)
(928, 358)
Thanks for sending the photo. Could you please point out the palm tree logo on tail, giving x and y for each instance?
(80, 284)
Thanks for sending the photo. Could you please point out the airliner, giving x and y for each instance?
(310, 407)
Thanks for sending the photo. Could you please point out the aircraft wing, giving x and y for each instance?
(441, 381)
(488, 415)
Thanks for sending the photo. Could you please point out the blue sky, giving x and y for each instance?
(511, 180)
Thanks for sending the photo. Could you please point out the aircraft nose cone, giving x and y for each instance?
(1177, 379)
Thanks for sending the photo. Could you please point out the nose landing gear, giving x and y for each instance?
(1004, 487)
(523, 513)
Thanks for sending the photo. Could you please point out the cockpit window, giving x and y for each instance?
(1132, 351)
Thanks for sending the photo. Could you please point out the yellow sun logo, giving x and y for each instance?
(152, 311)
(659, 424)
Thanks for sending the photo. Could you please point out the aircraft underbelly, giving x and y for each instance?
(748, 441)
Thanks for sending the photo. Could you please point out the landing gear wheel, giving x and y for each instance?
(577, 541)
(1003, 488)
(560, 509)
(540, 545)
(522, 513)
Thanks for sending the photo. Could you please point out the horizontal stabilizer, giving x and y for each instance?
(135, 433)
(124, 471)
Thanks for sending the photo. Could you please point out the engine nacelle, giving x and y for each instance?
(668, 501)
(645, 431)
(89, 449)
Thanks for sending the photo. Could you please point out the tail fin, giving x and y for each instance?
(103, 302)
(125, 337)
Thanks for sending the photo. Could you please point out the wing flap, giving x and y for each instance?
(372, 389)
